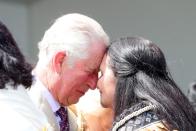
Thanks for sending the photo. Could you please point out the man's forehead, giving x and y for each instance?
(95, 56)
(93, 65)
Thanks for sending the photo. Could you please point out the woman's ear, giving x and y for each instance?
(57, 62)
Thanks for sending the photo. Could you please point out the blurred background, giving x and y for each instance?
(168, 23)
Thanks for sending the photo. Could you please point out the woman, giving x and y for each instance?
(136, 83)
(17, 112)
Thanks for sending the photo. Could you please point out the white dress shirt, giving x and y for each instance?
(48, 96)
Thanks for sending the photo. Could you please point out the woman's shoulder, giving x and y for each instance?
(140, 117)
(140, 121)
(13, 120)
(156, 126)
(18, 112)
(136, 117)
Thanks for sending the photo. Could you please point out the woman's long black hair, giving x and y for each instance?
(142, 74)
(13, 67)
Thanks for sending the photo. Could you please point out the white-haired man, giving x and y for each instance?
(70, 54)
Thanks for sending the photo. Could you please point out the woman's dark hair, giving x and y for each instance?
(13, 67)
(192, 94)
(142, 75)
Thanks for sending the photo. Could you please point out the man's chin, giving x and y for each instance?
(74, 101)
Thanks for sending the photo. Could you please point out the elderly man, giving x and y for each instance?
(70, 54)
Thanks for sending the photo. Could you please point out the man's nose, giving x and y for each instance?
(93, 81)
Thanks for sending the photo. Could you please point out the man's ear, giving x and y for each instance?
(58, 60)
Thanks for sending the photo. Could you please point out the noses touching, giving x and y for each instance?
(92, 81)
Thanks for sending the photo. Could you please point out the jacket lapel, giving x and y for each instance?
(42, 104)
(40, 101)
(45, 107)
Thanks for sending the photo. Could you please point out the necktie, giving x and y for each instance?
(64, 123)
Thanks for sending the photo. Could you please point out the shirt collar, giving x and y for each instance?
(46, 93)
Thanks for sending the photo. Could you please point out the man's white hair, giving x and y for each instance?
(73, 33)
